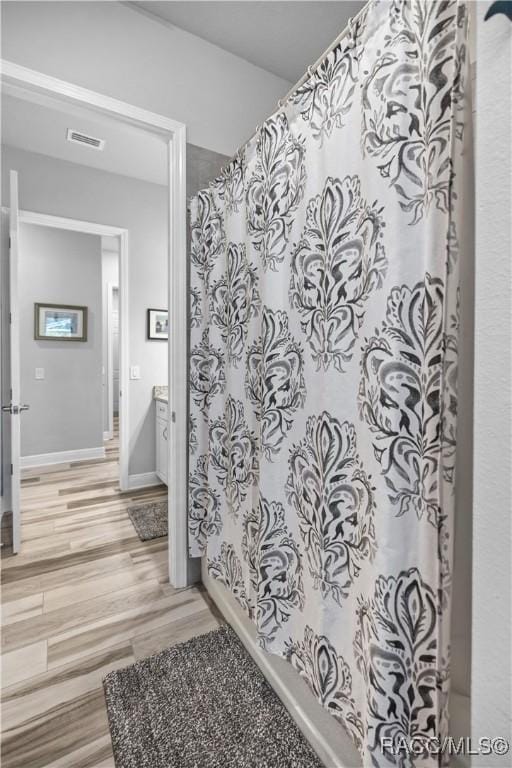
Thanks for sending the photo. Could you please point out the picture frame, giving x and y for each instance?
(158, 324)
(59, 322)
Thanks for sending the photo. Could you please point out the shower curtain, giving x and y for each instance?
(323, 362)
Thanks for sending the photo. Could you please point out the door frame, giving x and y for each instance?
(15, 77)
(109, 373)
(14, 361)
(105, 230)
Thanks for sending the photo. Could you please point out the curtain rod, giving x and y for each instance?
(349, 29)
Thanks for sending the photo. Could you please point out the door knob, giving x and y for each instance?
(15, 409)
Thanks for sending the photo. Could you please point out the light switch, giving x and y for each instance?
(135, 372)
(39, 373)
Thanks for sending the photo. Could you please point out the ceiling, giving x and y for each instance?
(40, 123)
(282, 37)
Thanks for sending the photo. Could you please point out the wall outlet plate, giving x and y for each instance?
(39, 373)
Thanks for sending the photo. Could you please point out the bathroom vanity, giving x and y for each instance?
(161, 398)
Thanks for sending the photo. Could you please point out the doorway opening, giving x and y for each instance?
(38, 88)
(69, 292)
(110, 310)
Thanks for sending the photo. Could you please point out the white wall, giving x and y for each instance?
(111, 48)
(491, 651)
(60, 267)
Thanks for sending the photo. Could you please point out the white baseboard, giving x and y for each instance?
(144, 480)
(62, 457)
(327, 737)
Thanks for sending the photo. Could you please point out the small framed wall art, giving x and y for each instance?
(60, 322)
(158, 324)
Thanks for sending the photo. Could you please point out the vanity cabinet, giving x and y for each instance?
(162, 441)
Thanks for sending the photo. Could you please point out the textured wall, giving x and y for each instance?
(491, 664)
(461, 604)
(203, 166)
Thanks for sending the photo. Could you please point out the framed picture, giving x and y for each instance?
(60, 322)
(158, 324)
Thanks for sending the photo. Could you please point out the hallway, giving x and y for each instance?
(84, 596)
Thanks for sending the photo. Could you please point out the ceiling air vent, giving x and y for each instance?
(83, 138)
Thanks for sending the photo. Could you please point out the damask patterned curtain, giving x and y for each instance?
(324, 317)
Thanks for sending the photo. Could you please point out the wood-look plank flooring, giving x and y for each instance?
(83, 597)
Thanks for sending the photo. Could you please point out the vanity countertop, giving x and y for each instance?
(161, 394)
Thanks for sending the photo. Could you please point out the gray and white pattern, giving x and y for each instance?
(397, 652)
(204, 504)
(230, 185)
(196, 312)
(400, 396)
(233, 454)
(329, 676)
(275, 189)
(207, 235)
(207, 377)
(407, 95)
(326, 97)
(323, 372)
(334, 502)
(274, 380)
(275, 568)
(337, 265)
(234, 300)
(192, 434)
(227, 569)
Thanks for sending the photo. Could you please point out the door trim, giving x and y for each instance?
(15, 77)
(109, 373)
(105, 230)
(14, 358)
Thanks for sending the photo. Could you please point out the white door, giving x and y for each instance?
(112, 356)
(115, 350)
(162, 452)
(14, 407)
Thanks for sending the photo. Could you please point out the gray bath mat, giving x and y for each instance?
(150, 520)
(201, 704)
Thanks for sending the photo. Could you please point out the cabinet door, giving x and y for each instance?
(161, 449)
(165, 450)
(158, 441)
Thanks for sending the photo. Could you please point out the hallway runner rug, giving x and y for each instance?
(149, 520)
(201, 704)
